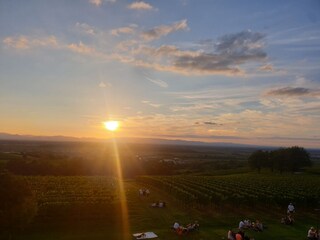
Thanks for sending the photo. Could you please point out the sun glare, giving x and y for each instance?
(111, 125)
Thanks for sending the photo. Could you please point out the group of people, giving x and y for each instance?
(313, 234)
(144, 192)
(158, 204)
(247, 224)
(179, 229)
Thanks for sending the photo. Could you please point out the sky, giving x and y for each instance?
(200, 70)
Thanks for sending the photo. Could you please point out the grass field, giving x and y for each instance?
(214, 221)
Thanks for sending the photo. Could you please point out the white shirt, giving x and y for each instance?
(290, 208)
(176, 225)
(241, 224)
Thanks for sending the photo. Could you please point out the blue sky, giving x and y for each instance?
(215, 71)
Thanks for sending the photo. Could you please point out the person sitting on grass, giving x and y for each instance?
(231, 235)
(247, 223)
(290, 208)
(288, 220)
(176, 226)
(241, 225)
(257, 226)
(179, 228)
(312, 234)
(239, 235)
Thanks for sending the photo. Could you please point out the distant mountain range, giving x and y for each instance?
(17, 137)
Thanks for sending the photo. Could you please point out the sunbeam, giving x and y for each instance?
(122, 194)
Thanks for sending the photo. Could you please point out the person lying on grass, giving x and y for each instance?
(159, 204)
(189, 227)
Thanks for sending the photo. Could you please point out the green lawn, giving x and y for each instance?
(214, 221)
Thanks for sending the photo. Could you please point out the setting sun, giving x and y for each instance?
(111, 125)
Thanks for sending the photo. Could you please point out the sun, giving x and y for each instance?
(111, 125)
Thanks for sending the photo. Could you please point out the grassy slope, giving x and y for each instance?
(214, 222)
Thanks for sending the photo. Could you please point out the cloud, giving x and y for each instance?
(266, 68)
(96, 2)
(230, 51)
(50, 42)
(123, 30)
(151, 104)
(158, 82)
(81, 48)
(209, 58)
(24, 42)
(104, 85)
(85, 28)
(194, 108)
(294, 92)
(241, 43)
(140, 6)
(224, 56)
(208, 123)
(164, 30)
(206, 63)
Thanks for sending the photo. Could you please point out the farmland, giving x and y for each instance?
(241, 189)
(88, 207)
(78, 194)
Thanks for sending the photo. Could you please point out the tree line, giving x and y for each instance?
(290, 159)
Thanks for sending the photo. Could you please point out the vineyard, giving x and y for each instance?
(250, 189)
(61, 196)
(81, 207)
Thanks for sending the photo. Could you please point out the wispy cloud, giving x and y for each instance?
(293, 92)
(104, 84)
(151, 104)
(86, 28)
(140, 6)
(224, 57)
(158, 82)
(81, 48)
(230, 51)
(208, 123)
(164, 30)
(100, 2)
(96, 2)
(123, 30)
(266, 68)
(25, 42)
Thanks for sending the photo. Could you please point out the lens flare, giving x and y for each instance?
(122, 193)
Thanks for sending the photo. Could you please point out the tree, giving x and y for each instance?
(282, 159)
(258, 159)
(17, 205)
(298, 158)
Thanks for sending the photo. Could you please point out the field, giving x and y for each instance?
(253, 189)
(79, 196)
(88, 208)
